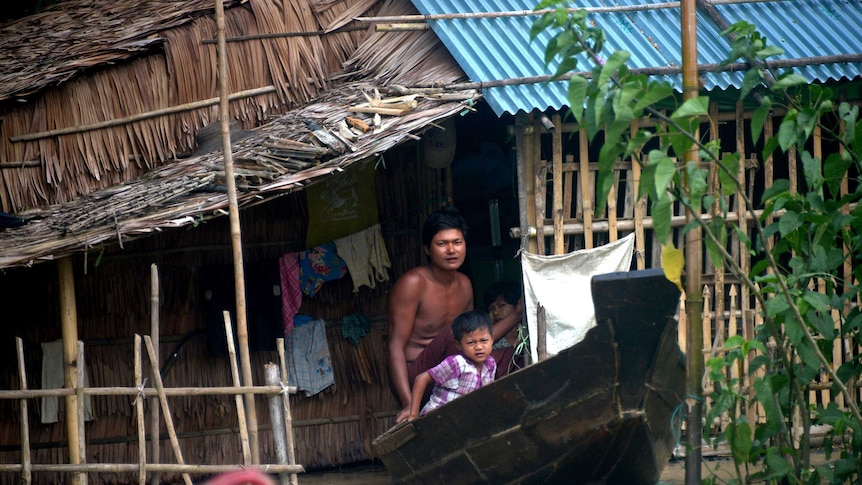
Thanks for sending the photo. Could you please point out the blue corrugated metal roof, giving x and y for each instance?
(499, 48)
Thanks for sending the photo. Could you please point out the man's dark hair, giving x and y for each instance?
(470, 321)
(509, 290)
(448, 217)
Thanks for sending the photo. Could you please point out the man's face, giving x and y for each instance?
(447, 249)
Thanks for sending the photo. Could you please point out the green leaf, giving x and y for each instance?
(789, 222)
(788, 81)
(758, 118)
(698, 106)
(665, 170)
(613, 63)
(656, 91)
(787, 134)
(778, 466)
(834, 168)
(818, 301)
(739, 438)
(753, 78)
(811, 168)
(727, 177)
(577, 96)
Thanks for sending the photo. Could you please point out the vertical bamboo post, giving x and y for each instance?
(539, 167)
(693, 262)
(557, 143)
(276, 417)
(69, 324)
(163, 399)
(586, 189)
(26, 468)
(79, 410)
(236, 235)
(155, 429)
(526, 189)
(139, 413)
(541, 192)
(240, 409)
(640, 206)
(567, 194)
(288, 417)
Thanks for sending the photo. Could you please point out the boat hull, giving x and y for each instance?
(598, 412)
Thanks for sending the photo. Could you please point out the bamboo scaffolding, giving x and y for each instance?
(235, 233)
(169, 423)
(155, 334)
(532, 13)
(141, 116)
(26, 465)
(234, 372)
(139, 414)
(163, 467)
(288, 415)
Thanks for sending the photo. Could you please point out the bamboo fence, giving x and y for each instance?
(560, 177)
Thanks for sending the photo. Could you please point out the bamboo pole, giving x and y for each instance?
(586, 190)
(526, 189)
(640, 207)
(240, 409)
(276, 416)
(140, 116)
(693, 264)
(650, 71)
(79, 410)
(139, 413)
(153, 467)
(236, 235)
(148, 392)
(557, 179)
(163, 399)
(69, 324)
(542, 330)
(155, 444)
(26, 476)
(288, 416)
(531, 13)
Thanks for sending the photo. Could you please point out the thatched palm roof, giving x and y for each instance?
(279, 156)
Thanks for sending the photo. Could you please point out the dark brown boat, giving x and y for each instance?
(597, 412)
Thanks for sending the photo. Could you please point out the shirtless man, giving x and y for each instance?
(425, 300)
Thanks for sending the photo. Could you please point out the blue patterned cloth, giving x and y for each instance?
(309, 366)
(319, 265)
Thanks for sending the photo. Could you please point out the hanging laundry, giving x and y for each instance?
(53, 377)
(309, 366)
(354, 327)
(291, 291)
(319, 265)
(366, 257)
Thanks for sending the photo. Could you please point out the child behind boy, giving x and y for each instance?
(461, 373)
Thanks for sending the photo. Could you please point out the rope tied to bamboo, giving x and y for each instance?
(141, 394)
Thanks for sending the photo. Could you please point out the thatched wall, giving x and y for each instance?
(139, 57)
(112, 290)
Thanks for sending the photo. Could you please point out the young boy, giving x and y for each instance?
(461, 373)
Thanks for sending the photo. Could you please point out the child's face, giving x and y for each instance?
(500, 309)
(476, 345)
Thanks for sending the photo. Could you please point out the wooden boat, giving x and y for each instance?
(597, 412)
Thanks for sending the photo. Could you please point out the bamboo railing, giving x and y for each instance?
(27, 469)
(562, 184)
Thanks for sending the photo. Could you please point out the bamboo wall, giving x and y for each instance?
(332, 428)
(560, 173)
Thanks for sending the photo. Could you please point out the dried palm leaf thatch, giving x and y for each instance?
(407, 58)
(179, 69)
(51, 47)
